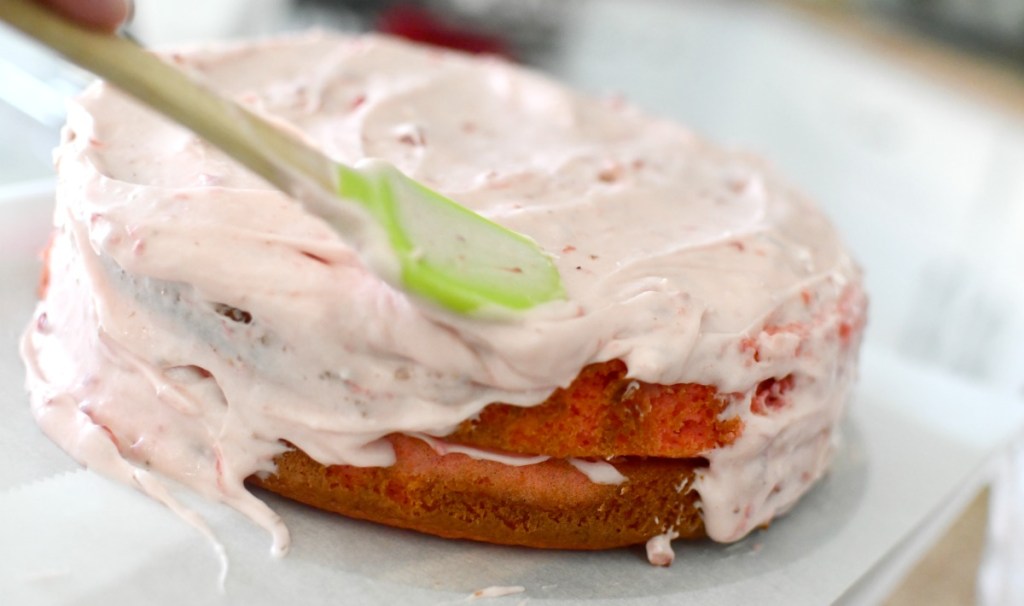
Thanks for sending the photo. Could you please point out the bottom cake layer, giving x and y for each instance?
(550, 504)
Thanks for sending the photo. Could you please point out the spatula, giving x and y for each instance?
(432, 247)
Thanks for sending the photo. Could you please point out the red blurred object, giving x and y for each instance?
(420, 25)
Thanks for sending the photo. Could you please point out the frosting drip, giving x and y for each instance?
(199, 317)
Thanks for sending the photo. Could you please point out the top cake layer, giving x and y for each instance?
(200, 317)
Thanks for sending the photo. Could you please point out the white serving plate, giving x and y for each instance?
(916, 444)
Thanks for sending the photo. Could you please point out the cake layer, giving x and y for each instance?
(549, 504)
(602, 413)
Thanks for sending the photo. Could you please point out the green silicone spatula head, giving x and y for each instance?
(434, 248)
(447, 253)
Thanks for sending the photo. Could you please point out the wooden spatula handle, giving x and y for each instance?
(276, 155)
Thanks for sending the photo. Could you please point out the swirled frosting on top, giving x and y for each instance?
(197, 318)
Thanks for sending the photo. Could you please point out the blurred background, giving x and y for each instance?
(904, 118)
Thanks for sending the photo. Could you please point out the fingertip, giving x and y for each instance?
(103, 15)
